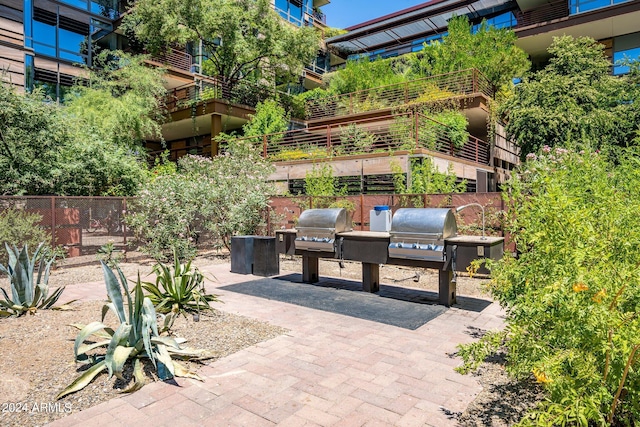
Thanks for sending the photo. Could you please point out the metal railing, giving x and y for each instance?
(79, 224)
(174, 58)
(551, 11)
(433, 88)
(238, 92)
(396, 132)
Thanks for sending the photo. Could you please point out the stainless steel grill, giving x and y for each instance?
(317, 228)
(420, 234)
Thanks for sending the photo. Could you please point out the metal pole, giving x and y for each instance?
(53, 221)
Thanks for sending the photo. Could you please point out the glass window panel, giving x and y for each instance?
(106, 8)
(70, 41)
(579, 6)
(282, 5)
(619, 57)
(71, 56)
(44, 49)
(82, 4)
(49, 89)
(44, 33)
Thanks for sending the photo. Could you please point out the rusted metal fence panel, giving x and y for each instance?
(82, 225)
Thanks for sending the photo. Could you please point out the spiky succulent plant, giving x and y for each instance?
(29, 288)
(135, 339)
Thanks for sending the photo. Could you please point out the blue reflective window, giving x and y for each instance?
(70, 41)
(105, 8)
(82, 4)
(44, 37)
(618, 57)
(579, 6)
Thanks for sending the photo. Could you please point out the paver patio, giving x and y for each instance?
(328, 370)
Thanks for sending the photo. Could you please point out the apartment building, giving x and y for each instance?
(535, 22)
(41, 40)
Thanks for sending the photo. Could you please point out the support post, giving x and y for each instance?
(446, 287)
(216, 128)
(370, 277)
(310, 272)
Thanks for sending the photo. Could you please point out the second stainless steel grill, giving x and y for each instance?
(420, 234)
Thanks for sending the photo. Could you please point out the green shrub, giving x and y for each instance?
(223, 197)
(28, 291)
(136, 338)
(426, 179)
(446, 125)
(355, 140)
(572, 295)
(20, 228)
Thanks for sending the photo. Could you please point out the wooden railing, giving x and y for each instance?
(433, 88)
(395, 132)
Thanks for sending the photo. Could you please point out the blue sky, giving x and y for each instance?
(345, 13)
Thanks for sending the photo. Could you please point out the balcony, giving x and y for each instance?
(237, 92)
(409, 132)
(557, 10)
(174, 58)
(434, 88)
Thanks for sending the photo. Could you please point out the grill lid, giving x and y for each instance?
(439, 223)
(418, 233)
(336, 219)
(317, 228)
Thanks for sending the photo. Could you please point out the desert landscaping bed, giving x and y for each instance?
(36, 351)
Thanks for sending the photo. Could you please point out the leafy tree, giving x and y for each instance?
(571, 295)
(360, 75)
(240, 38)
(122, 99)
(490, 50)
(45, 150)
(320, 184)
(269, 118)
(574, 98)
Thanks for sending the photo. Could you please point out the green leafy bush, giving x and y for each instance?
(426, 178)
(355, 140)
(28, 291)
(449, 125)
(223, 196)
(136, 338)
(572, 295)
(20, 228)
(180, 290)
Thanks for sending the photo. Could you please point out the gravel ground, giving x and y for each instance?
(36, 352)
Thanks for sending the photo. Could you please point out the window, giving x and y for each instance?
(624, 56)
(579, 6)
(625, 48)
(59, 36)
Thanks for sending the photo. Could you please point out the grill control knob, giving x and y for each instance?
(400, 245)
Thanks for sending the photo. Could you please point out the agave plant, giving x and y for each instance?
(135, 339)
(178, 291)
(27, 296)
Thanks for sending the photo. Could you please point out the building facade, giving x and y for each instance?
(535, 22)
(42, 41)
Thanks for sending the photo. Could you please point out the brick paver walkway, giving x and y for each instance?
(329, 370)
